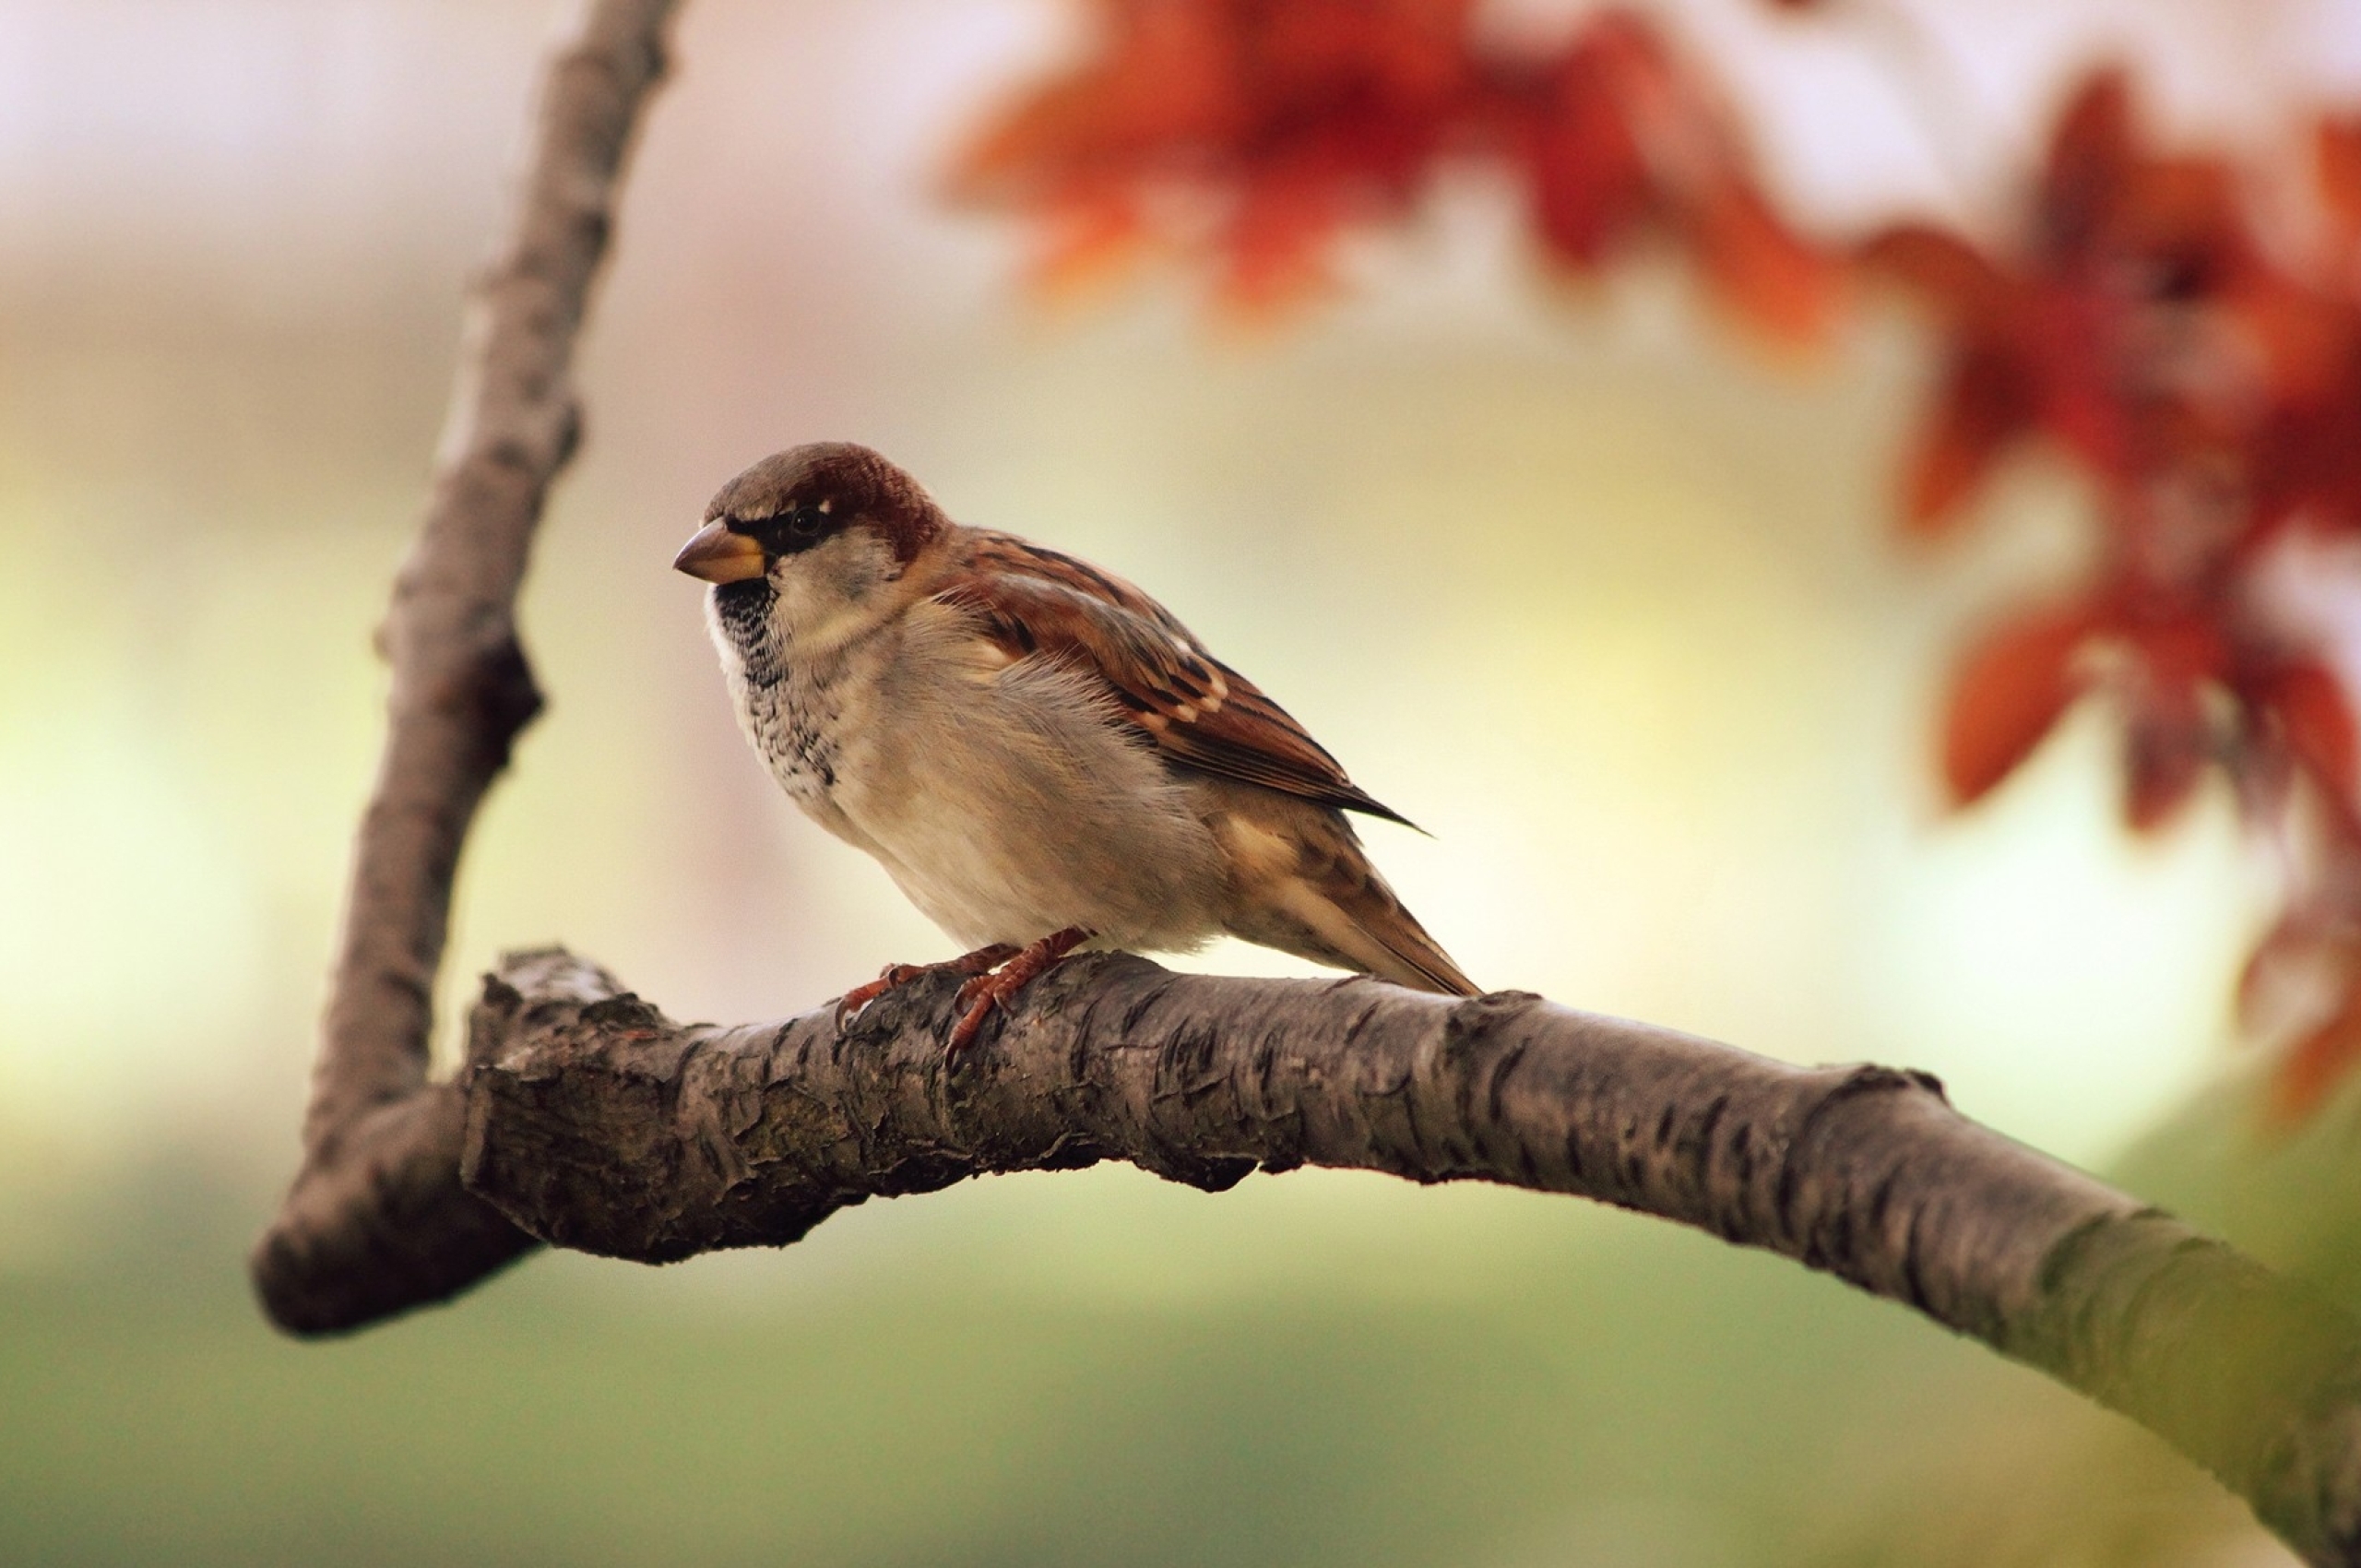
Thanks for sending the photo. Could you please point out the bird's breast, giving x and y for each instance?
(797, 724)
(1003, 798)
(792, 710)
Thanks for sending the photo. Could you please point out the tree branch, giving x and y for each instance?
(461, 692)
(594, 1121)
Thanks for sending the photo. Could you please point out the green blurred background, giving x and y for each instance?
(1599, 596)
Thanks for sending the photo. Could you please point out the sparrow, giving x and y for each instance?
(1041, 756)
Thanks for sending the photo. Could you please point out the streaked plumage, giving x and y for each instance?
(1025, 743)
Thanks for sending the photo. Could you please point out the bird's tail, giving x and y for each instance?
(1395, 946)
(1325, 902)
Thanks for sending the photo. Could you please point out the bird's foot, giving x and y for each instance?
(994, 988)
(982, 961)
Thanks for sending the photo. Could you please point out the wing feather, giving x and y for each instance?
(1197, 710)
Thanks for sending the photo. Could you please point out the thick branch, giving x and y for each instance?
(461, 690)
(594, 1121)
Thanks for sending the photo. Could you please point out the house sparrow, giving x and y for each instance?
(1038, 754)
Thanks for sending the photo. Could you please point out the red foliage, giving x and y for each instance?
(1617, 143)
(2206, 386)
(2091, 331)
(2316, 1064)
(2308, 703)
(1260, 130)
(2011, 690)
(2208, 390)
(1298, 118)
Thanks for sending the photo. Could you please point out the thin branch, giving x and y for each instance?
(593, 1122)
(461, 690)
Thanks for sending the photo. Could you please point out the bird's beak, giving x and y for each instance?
(718, 556)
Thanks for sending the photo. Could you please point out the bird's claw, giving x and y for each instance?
(996, 988)
(981, 961)
(850, 1004)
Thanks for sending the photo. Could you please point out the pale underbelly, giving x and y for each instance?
(1135, 875)
(1003, 840)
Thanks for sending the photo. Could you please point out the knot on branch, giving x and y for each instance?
(500, 697)
(595, 1122)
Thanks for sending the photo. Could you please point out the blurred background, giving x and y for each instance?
(1605, 597)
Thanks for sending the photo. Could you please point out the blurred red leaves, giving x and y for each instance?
(1254, 129)
(2092, 328)
(2010, 689)
(2204, 384)
(1257, 131)
(2308, 703)
(2314, 1065)
(2209, 393)
(1616, 144)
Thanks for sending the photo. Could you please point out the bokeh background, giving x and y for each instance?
(1606, 598)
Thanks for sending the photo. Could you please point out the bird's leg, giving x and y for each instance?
(982, 961)
(994, 988)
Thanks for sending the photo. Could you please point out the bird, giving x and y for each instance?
(1039, 755)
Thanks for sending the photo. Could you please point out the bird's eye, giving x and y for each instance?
(798, 529)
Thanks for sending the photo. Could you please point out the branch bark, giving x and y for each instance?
(593, 1122)
(375, 1140)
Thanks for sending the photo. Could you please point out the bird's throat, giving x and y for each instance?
(743, 614)
(745, 606)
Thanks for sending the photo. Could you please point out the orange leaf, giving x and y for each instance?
(2090, 153)
(1160, 85)
(1760, 269)
(2176, 655)
(1088, 239)
(2009, 691)
(2185, 213)
(2339, 150)
(1943, 270)
(1590, 184)
(2313, 1066)
(2311, 704)
(2266, 972)
(1278, 245)
(1983, 407)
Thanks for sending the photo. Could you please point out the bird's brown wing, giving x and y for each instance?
(1196, 709)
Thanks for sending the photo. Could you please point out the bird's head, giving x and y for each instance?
(808, 538)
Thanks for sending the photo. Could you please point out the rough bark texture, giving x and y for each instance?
(377, 1141)
(594, 1121)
